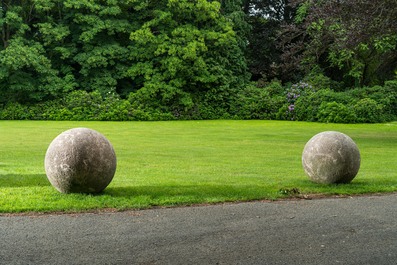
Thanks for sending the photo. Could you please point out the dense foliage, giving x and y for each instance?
(182, 59)
(354, 42)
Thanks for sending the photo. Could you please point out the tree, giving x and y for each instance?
(186, 52)
(355, 40)
(273, 9)
(98, 46)
(265, 18)
(26, 71)
(170, 54)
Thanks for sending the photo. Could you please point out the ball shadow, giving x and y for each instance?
(23, 180)
(191, 191)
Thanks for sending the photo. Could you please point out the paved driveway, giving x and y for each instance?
(359, 230)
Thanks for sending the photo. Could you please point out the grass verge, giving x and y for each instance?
(189, 162)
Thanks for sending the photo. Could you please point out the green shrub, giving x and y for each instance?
(369, 111)
(62, 114)
(162, 101)
(275, 88)
(383, 102)
(207, 111)
(391, 87)
(15, 111)
(84, 105)
(333, 112)
(256, 103)
(299, 101)
(113, 108)
(318, 80)
(307, 107)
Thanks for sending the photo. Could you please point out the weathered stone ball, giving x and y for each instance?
(80, 160)
(331, 157)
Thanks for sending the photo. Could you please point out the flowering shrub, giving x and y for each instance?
(292, 95)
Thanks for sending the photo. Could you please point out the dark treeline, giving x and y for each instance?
(327, 61)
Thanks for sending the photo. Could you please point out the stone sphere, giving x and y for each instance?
(331, 157)
(80, 160)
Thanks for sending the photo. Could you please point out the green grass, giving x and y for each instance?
(189, 162)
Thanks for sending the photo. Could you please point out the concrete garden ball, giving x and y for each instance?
(80, 160)
(331, 157)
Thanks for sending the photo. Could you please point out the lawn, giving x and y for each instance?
(189, 162)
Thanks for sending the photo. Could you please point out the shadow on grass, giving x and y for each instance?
(188, 191)
(244, 192)
(21, 180)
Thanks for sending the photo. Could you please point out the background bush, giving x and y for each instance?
(255, 102)
(333, 112)
(300, 101)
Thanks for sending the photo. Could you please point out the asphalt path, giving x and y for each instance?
(357, 230)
